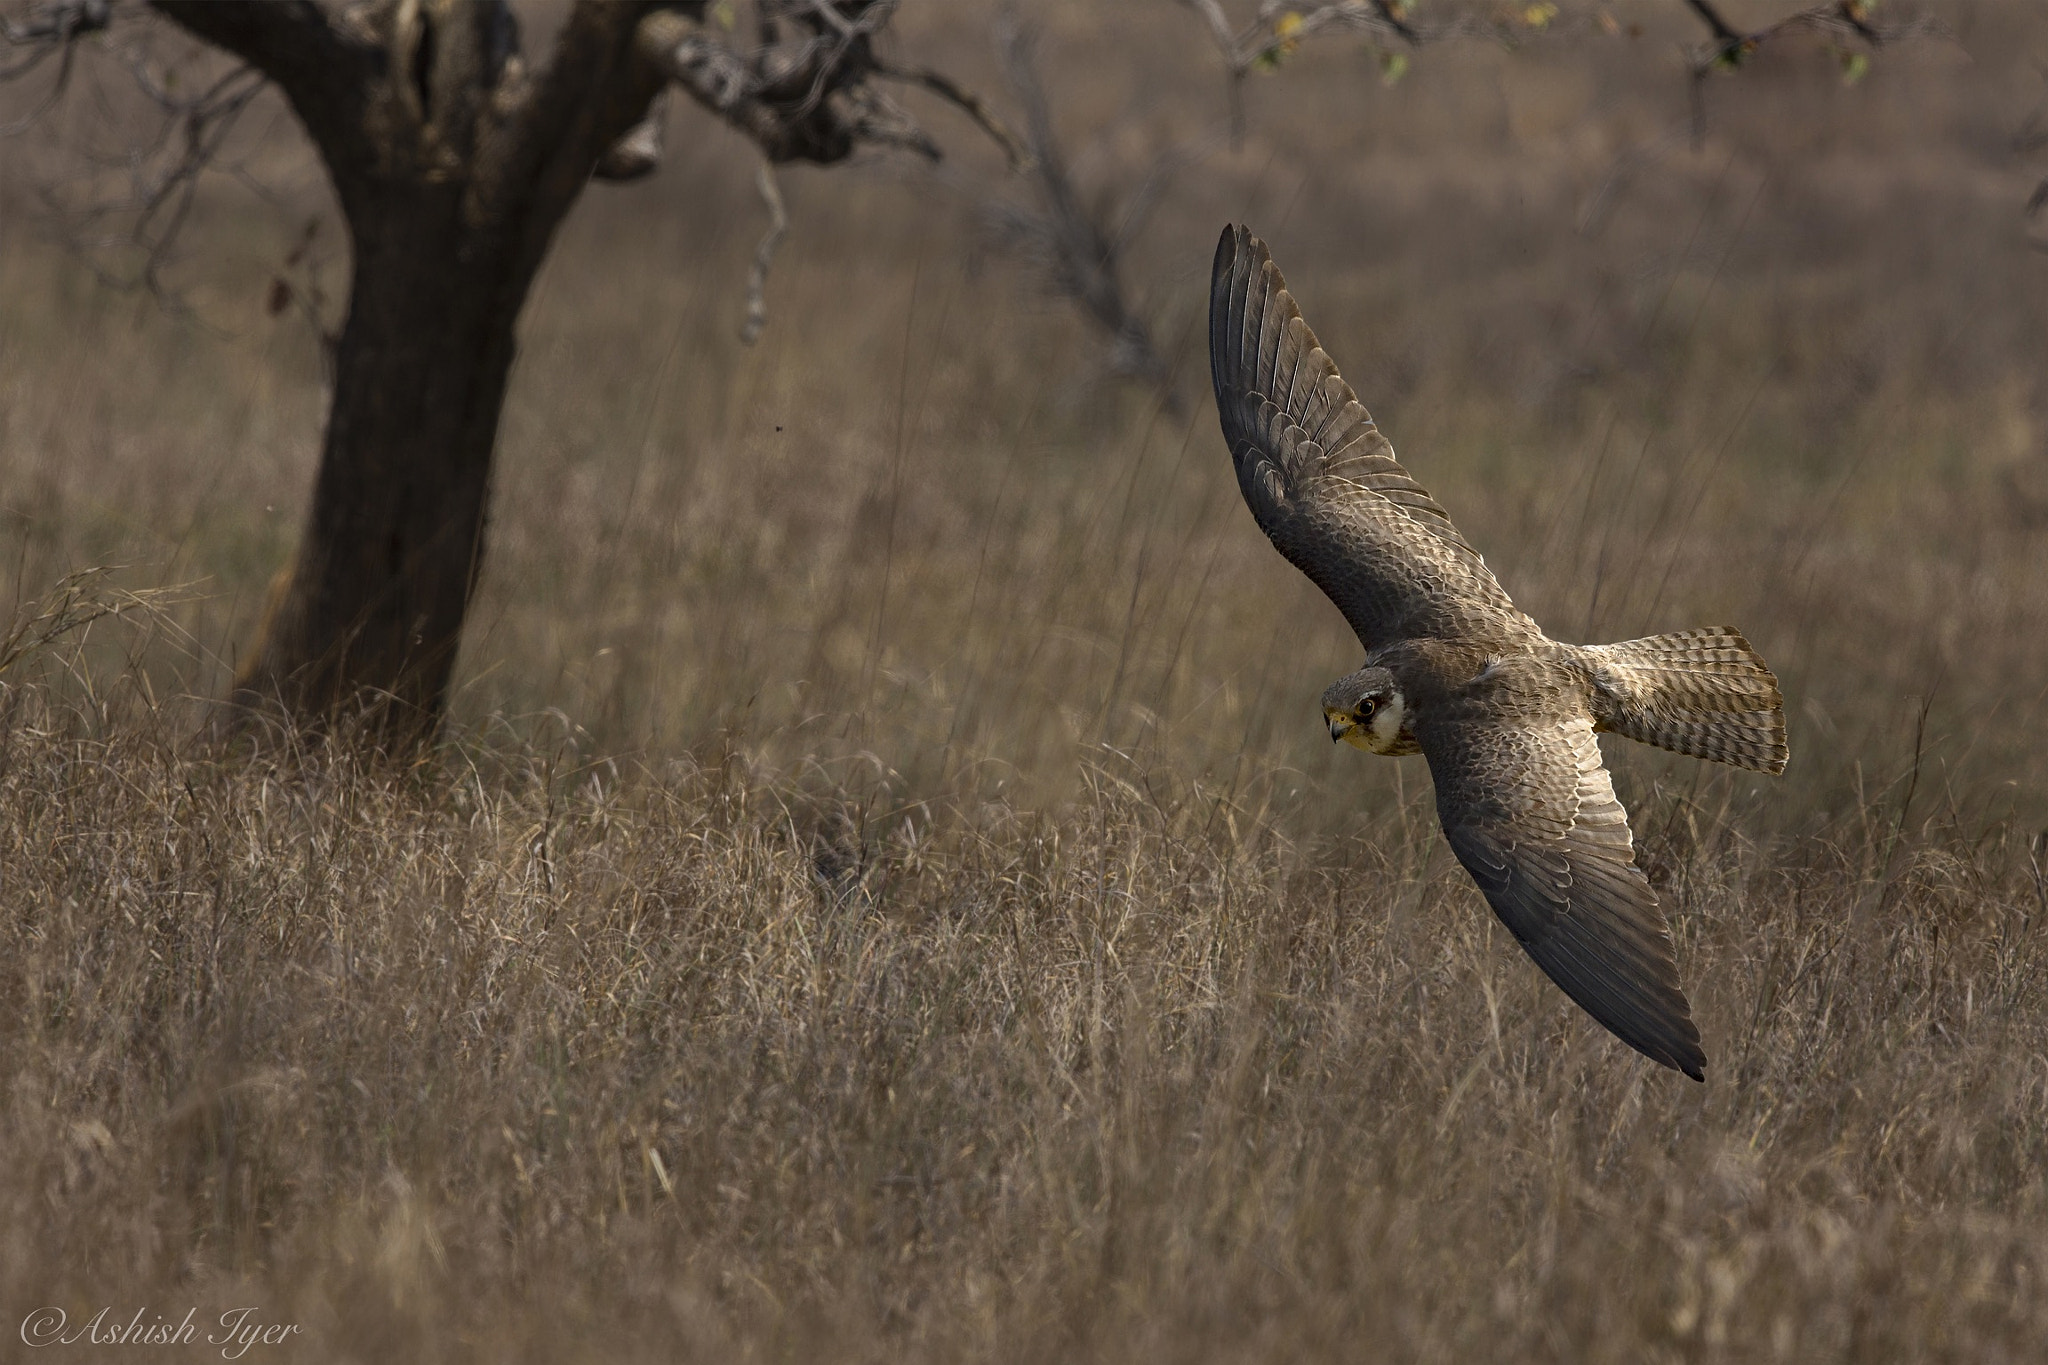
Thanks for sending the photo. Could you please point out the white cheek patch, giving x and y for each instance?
(1386, 723)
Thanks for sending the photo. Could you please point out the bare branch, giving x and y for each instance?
(204, 124)
(52, 29)
(161, 173)
(805, 91)
(1079, 255)
(967, 102)
(751, 93)
(764, 254)
(1277, 29)
(1724, 34)
(1219, 24)
(58, 21)
(1391, 17)
(1727, 47)
(324, 69)
(1234, 63)
(1842, 20)
(637, 154)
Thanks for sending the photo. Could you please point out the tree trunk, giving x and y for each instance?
(373, 607)
(454, 166)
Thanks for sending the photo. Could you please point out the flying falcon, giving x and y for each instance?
(1454, 671)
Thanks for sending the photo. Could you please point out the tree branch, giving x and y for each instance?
(764, 255)
(1277, 29)
(1728, 47)
(967, 102)
(769, 98)
(1724, 34)
(638, 154)
(52, 29)
(1842, 19)
(806, 92)
(595, 86)
(1079, 255)
(324, 70)
(58, 21)
(162, 171)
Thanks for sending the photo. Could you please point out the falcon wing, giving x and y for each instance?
(1530, 811)
(1321, 480)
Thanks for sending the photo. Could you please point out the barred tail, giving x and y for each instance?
(1698, 692)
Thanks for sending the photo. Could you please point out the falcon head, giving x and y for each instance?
(1366, 711)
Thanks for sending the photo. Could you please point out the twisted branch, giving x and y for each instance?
(764, 255)
(806, 90)
(1079, 254)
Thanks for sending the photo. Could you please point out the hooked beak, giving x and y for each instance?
(1339, 727)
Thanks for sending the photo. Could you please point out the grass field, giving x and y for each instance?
(887, 892)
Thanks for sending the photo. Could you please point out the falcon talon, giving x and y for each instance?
(1454, 671)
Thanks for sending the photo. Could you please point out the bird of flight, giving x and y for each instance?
(1454, 671)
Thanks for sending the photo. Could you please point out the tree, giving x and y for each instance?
(454, 164)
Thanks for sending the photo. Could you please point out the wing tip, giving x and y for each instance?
(1680, 1049)
(1236, 240)
(1673, 1043)
(1244, 285)
(1671, 1040)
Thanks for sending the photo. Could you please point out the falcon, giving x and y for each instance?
(1454, 671)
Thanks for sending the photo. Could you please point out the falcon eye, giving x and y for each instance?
(1366, 708)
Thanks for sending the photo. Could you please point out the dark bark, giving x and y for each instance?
(374, 605)
(454, 168)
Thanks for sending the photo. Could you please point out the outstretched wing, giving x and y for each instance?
(1530, 811)
(1321, 480)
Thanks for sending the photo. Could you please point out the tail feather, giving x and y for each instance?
(1700, 692)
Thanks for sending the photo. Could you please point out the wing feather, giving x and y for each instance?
(1530, 811)
(1320, 478)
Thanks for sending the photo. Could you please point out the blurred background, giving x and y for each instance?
(1773, 361)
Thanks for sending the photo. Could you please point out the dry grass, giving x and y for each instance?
(887, 894)
(561, 1063)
